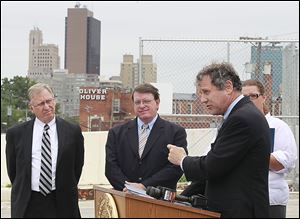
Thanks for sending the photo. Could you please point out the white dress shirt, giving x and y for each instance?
(38, 128)
(285, 152)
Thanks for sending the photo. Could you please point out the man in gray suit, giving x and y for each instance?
(44, 161)
(236, 168)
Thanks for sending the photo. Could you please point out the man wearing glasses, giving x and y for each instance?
(44, 161)
(137, 153)
(284, 154)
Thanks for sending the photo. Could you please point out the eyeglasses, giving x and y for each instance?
(42, 104)
(139, 102)
(253, 96)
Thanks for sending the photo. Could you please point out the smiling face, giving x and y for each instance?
(145, 106)
(42, 104)
(217, 101)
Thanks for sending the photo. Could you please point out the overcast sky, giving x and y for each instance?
(122, 23)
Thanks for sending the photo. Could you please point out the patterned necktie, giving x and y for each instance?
(143, 139)
(46, 164)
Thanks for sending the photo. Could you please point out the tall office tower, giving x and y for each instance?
(43, 58)
(149, 70)
(82, 41)
(268, 54)
(130, 71)
(127, 71)
(290, 81)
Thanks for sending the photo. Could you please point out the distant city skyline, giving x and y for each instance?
(122, 23)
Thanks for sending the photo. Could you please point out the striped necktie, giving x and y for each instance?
(143, 138)
(46, 163)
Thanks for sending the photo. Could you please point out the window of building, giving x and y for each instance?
(116, 105)
(178, 108)
(189, 108)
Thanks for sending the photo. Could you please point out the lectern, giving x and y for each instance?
(113, 203)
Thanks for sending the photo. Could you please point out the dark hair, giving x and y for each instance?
(256, 83)
(146, 88)
(219, 74)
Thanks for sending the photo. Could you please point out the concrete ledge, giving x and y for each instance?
(294, 195)
(85, 192)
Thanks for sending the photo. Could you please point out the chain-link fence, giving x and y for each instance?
(273, 62)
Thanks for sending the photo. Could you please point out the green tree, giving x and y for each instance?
(14, 100)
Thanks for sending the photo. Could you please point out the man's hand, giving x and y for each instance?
(176, 154)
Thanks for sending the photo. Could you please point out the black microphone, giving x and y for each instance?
(163, 193)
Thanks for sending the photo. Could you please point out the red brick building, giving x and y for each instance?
(103, 108)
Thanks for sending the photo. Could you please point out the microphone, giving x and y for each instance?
(161, 193)
(167, 194)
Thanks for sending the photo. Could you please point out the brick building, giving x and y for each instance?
(103, 108)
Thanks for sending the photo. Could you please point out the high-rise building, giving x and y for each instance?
(270, 55)
(290, 81)
(82, 41)
(43, 58)
(130, 71)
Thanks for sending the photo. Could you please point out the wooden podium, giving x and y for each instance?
(113, 203)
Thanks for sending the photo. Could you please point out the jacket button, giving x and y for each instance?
(140, 178)
(140, 162)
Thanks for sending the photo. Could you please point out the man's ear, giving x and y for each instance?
(228, 87)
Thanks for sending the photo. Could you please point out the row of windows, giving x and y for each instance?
(43, 65)
(42, 50)
(40, 61)
(177, 109)
(41, 57)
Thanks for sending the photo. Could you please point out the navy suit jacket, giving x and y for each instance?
(153, 168)
(69, 165)
(236, 168)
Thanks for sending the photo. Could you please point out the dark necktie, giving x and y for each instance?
(46, 163)
(143, 139)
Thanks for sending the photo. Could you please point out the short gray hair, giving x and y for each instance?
(37, 88)
(219, 74)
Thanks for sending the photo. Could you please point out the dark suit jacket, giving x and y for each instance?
(68, 169)
(153, 168)
(236, 167)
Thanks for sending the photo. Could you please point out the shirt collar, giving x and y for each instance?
(140, 122)
(226, 114)
(40, 123)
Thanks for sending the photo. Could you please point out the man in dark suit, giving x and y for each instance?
(236, 167)
(44, 161)
(137, 153)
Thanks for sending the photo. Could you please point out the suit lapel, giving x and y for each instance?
(28, 135)
(132, 137)
(61, 139)
(156, 132)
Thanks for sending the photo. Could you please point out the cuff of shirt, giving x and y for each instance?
(181, 162)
